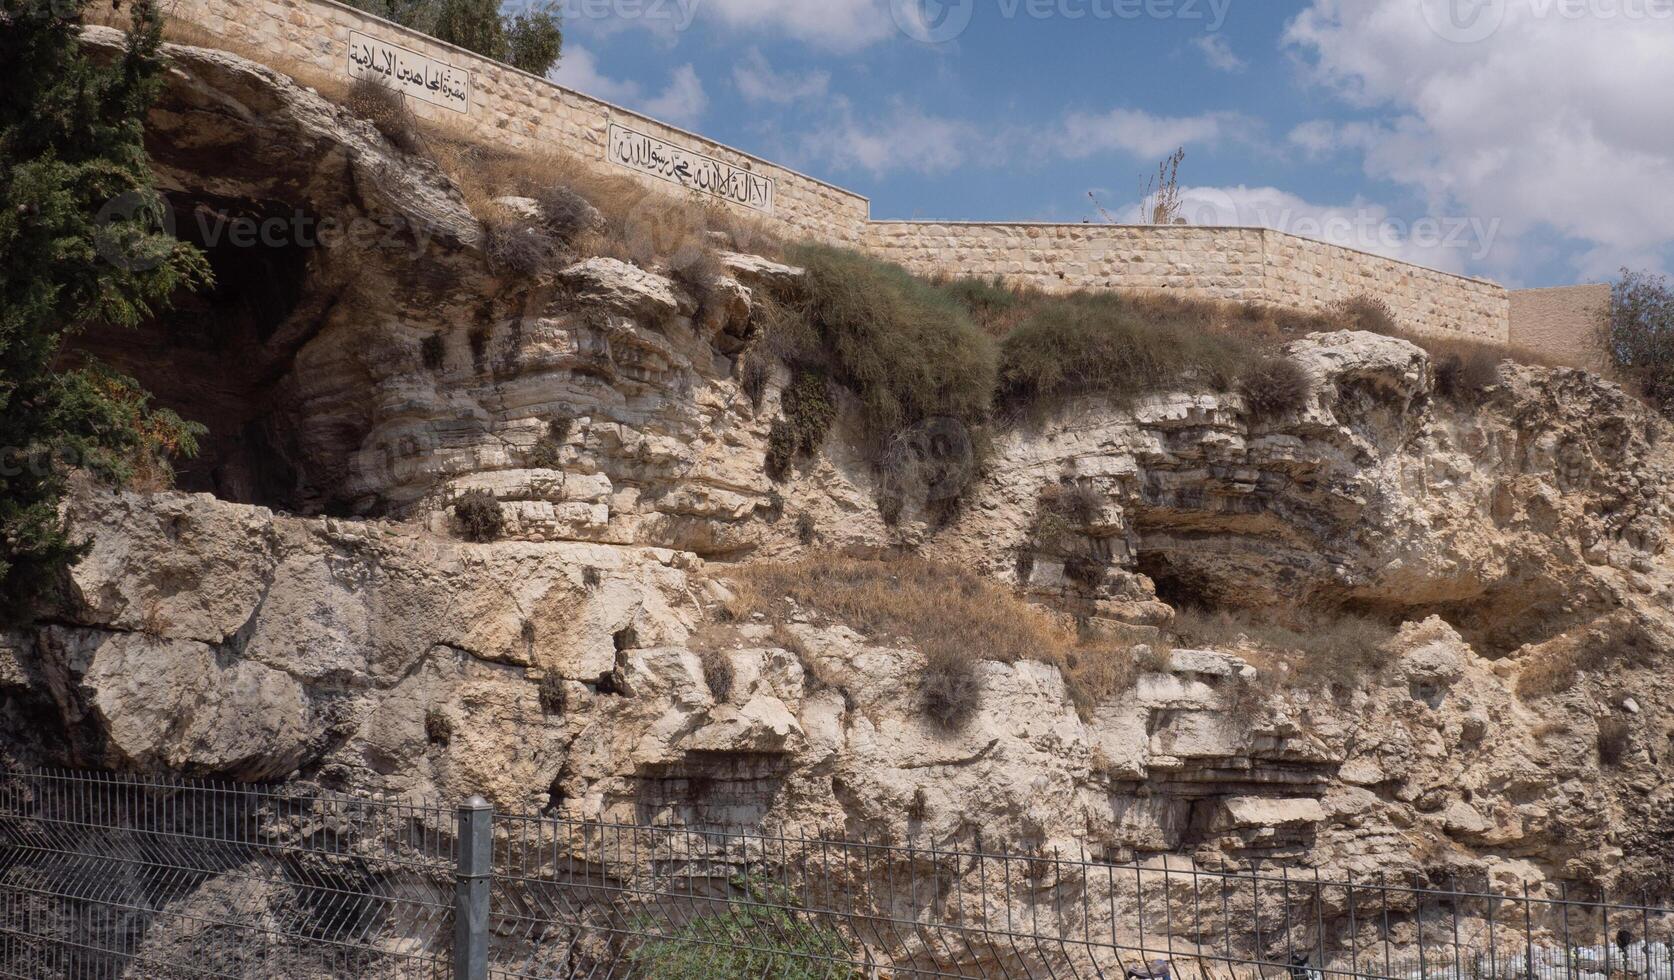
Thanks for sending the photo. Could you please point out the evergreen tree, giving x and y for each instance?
(83, 241)
(531, 39)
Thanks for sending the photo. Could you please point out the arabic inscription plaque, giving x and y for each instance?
(409, 72)
(689, 168)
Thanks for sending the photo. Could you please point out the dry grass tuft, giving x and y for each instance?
(955, 616)
(1295, 648)
(719, 674)
(1274, 386)
(386, 109)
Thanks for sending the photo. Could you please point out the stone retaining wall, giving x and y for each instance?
(1561, 321)
(518, 110)
(1247, 264)
(513, 108)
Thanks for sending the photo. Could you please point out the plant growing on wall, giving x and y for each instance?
(83, 241)
(1161, 203)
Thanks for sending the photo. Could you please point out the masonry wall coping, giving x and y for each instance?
(502, 66)
(922, 222)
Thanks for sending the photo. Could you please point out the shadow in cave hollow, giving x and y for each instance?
(217, 356)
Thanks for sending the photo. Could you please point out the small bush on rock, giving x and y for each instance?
(1465, 372)
(1274, 387)
(719, 674)
(1615, 737)
(519, 249)
(1366, 312)
(951, 690)
(386, 109)
(438, 727)
(479, 516)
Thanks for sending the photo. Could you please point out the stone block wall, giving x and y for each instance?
(1245, 264)
(521, 111)
(1560, 321)
(513, 108)
(1216, 263)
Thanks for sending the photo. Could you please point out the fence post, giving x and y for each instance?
(470, 897)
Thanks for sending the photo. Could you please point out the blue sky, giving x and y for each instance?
(1528, 141)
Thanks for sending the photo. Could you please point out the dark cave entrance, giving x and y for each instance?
(217, 356)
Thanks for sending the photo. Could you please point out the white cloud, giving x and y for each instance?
(682, 103)
(1549, 123)
(758, 82)
(1141, 134)
(902, 137)
(1437, 243)
(843, 25)
(1218, 53)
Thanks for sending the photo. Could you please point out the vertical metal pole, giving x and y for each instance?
(470, 897)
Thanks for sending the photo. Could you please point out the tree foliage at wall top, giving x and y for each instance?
(1638, 335)
(531, 38)
(83, 241)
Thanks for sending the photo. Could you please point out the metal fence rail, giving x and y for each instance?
(107, 876)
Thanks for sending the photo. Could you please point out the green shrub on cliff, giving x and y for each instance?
(905, 348)
(83, 241)
(1638, 336)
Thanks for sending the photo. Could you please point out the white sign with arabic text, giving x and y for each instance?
(409, 72)
(689, 168)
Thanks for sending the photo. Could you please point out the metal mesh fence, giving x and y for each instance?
(104, 876)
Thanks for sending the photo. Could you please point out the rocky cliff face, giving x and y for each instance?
(311, 614)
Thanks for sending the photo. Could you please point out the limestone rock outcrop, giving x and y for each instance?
(311, 614)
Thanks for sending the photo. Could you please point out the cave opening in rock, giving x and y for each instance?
(217, 356)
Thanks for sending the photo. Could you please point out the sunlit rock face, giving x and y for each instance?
(303, 606)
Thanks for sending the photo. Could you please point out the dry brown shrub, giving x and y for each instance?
(1314, 649)
(718, 673)
(955, 616)
(1615, 737)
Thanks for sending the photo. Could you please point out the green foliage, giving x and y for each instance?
(908, 350)
(1638, 335)
(531, 40)
(763, 934)
(1102, 343)
(83, 241)
(534, 40)
(809, 412)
